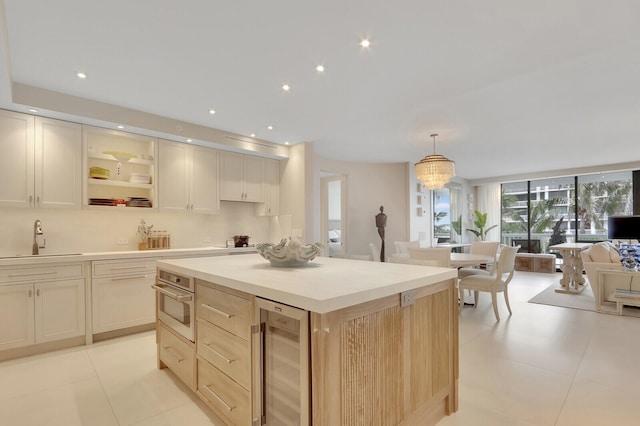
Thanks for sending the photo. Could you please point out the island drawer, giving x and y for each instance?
(177, 354)
(228, 311)
(41, 273)
(229, 353)
(103, 268)
(224, 395)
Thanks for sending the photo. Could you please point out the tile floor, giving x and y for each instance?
(542, 366)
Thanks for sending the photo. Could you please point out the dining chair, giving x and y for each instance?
(403, 246)
(433, 256)
(484, 248)
(375, 253)
(493, 283)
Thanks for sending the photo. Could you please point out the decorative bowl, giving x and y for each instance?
(288, 252)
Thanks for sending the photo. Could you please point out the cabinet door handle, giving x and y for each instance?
(38, 292)
(38, 200)
(187, 207)
(30, 199)
(222, 401)
(172, 352)
(227, 360)
(217, 311)
(29, 292)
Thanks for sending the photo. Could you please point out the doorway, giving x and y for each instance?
(333, 207)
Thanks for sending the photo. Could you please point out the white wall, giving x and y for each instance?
(296, 187)
(368, 186)
(82, 231)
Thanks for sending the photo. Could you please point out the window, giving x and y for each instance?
(540, 213)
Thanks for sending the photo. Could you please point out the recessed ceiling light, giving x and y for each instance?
(120, 126)
(269, 127)
(212, 111)
(253, 135)
(189, 140)
(286, 142)
(33, 110)
(81, 75)
(286, 87)
(320, 68)
(365, 43)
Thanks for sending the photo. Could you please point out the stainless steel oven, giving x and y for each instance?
(176, 302)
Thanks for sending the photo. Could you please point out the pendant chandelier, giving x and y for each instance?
(434, 171)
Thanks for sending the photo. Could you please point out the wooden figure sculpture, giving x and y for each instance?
(381, 223)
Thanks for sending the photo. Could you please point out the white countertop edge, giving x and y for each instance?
(432, 275)
(47, 258)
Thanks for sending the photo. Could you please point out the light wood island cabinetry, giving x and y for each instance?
(380, 341)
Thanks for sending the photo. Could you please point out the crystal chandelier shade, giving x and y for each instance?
(435, 171)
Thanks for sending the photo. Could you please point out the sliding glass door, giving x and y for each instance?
(539, 213)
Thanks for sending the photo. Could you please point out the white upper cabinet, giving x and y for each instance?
(58, 160)
(188, 178)
(41, 162)
(119, 170)
(241, 177)
(271, 205)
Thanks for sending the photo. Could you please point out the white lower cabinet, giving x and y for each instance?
(41, 312)
(122, 302)
(121, 294)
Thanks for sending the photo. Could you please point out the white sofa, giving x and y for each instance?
(600, 256)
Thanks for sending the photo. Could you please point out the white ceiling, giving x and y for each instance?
(510, 86)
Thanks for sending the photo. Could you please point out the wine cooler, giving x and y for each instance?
(282, 372)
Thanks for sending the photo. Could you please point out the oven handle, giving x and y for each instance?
(178, 297)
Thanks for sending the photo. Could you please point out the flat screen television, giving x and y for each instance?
(624, 227)
(527, 246)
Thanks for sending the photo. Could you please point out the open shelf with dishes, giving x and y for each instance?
(119, 169)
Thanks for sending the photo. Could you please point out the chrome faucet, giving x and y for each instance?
(37, 232)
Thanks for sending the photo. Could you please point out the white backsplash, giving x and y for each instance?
(86, 231)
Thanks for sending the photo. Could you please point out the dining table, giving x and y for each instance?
(458, 260)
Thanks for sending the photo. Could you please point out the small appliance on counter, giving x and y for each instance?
(241, 240)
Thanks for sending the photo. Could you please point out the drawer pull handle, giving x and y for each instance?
(227, 406)
(172, 352)
(129, 278)
(32, 275)
(227, 360)
(119, 268)
(217, 311)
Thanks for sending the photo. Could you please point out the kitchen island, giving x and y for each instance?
(377, 343)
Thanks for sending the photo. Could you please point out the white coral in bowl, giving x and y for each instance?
(288, 252)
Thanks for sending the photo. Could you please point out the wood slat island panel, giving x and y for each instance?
(380, 363)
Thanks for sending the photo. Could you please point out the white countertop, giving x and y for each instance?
(109, 255)
(323, 285)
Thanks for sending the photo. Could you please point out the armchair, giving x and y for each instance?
(600, 256)
(433, 256)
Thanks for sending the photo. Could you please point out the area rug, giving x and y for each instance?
(548, 296)
(584, 301)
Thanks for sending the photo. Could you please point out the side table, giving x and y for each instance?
(572, 281)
